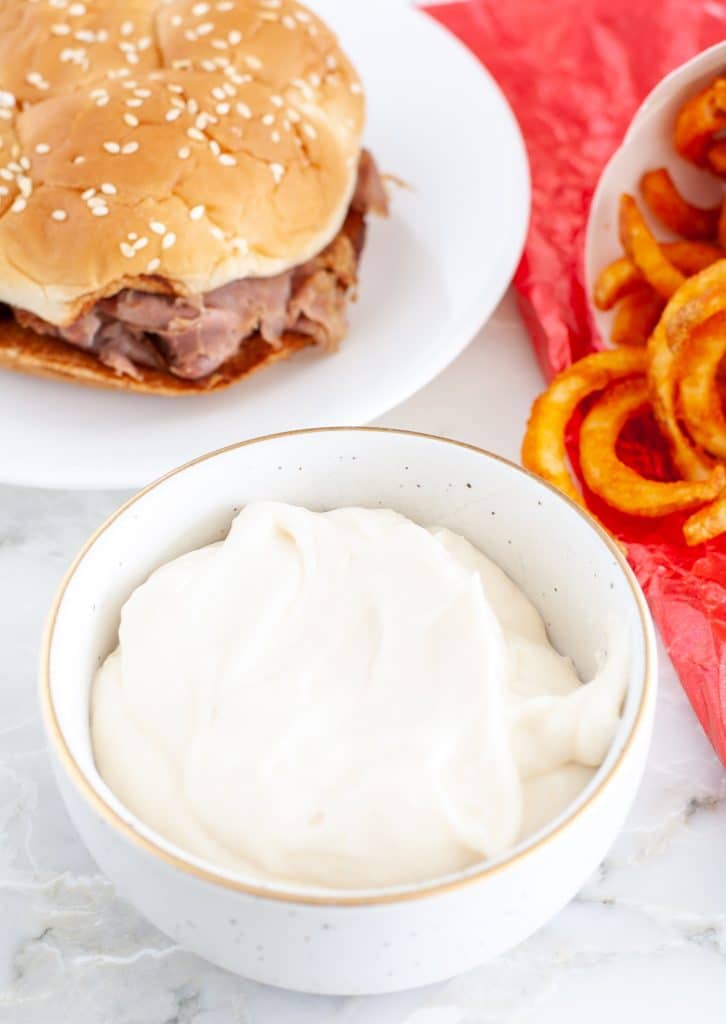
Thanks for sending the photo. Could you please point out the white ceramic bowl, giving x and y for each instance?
(376, 941)
(648, 145)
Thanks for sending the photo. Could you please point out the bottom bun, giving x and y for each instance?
(41, 356)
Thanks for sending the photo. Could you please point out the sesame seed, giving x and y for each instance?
(88, 194)
(277, 101)
(153, 265)
(276, 137)
(19, 205)
(208, 65)
(184, 153)
(99, 210)
(60, 30)
(194, 133)
(4, 190)
(132, 236)
(59, 215)
(131, 120)
(268, 119)
(168, 240)
(6, 174)
(141, 243)
(108, 189)
(253, 62)
(127, 28)
(288, 22)
(243, 110)
(5, 114)
(219, 44)
(293, 116)
(25, 163)
(132, 58)
(197, 212)
(173, 115)
(278, 172)
(133, 102)
(157, 227)
(227, 160)
(215, 147)
(35, 78)
(192, 107)
(199, 10)
(25, 185)
(217, 233)
(102, 101)
(234, 37)
(225, 5)
(229, 89)
(112, 147)
(174, 87)
(127, 250)
(205, 29)
(6, 99)
(176, 20)
(80, 159)
(129, 148)
(143, 94)
(77, 10)
(218, 93)
(302, 16)
(222, 109)
(310, 131)
(144, 43)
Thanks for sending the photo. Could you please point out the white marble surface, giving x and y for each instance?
(645, 940)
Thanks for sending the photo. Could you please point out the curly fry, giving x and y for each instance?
(543, 450)
(700, 298)
(617, 280)
(699, 120)
(645, 252)
(637, 315)
(700, 400)
(675, 212)
(707, 524)
(619, 485)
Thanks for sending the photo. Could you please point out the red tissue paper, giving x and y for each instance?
(575, 72)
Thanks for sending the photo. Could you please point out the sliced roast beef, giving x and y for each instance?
(370, 192)
(193, 336)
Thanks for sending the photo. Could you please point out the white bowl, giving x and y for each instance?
(377, 941)
(648, 145)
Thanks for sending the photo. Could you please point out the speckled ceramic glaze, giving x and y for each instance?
(353, 943)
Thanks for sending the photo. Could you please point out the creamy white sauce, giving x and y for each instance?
(344, 700)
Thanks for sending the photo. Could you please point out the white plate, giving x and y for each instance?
(432, 275)
(648, 145)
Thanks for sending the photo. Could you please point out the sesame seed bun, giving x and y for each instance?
(194, 142)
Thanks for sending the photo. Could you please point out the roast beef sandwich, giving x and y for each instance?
(183, 189)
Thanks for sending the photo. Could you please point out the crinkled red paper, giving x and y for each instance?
(575, 71)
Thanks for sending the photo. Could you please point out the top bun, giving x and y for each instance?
(173, 145)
